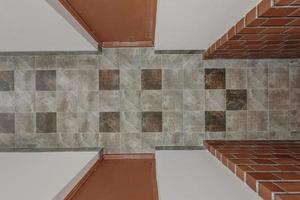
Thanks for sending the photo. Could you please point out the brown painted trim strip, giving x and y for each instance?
(127, 156)
(83, 180)
(154, 181)
(128, 44)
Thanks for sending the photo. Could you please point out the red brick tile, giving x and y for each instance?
(288, 176)
(262, 161)
(267, 168)
(286, 161)
(253, 177)
(266, 189)
(241, 170)
(289, 186)
(287, 168)
(287, 197)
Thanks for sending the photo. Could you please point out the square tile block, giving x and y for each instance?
(151, 79)
(257, 99)
(173, 79)
(236, 121)
(7, 81)
(109, 79)
(215, 100)
(278, 77)
(258, 77)
(257, 121)
(109, 122)
(7, 123)
(152, 122)
(236, 99)
(215, 121)
(279, 99)
(236, 78)
(45, 80)
(215, 78)
(46, 122)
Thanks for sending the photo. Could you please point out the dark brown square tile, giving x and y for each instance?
(109, 79)
(152, 121)
(109, 122)
(151, 79)
(46, 122)
(7, 123)
(236, 99)
(7, 80)
(214, 78)
(45, 80)
(215, 121)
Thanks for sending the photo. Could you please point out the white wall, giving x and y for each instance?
(34, 25)
(196, 24)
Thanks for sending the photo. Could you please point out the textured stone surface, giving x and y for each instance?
(214, 78)
(109, 80)
(7, 123)
(215, 121)
(109, 122)
(151, 121)
(151, 79)
(46, 122)
(45, 80)
(236, 99)
(7, 81)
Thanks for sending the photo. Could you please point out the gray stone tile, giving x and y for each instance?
(25, 80)
(236, 135)
(7, 102)
(88, 80)
(7, 140)
(257, 121)
(194, 139)
(66, 140)
(149, 59)
(67, 80)
(282, 135)
(111, 142)
(152, 122)
(193, 100)
(258, 135)
(25, 140)
(25, 123)
(257, 99)
(88, 122)
(67, 101)
(130, 79)
(87, 140)
(45, 62)
(89, 61)
(151, 79)
(193, 121)
(109, 122)
(66, 61)
(7, 123)
(21, 62)
(88, 101)
(151, 100)
(129, 58)
(295, 77)
(278, 77)
(172, 122)
(173, 78)
(150, 141)
(193, 78)
(109, 101)
(294, 96)
(192, 61)
(236, 78)
(7, 81)
(131, 142)
(173, 139)
(45, 102)
(67, 122)
(172, 61)
(130, 100)
(47, 140)
(215, 135)
(110, 58)
(236, 121)
(4, 65)
(294, 120)
(214, 100)
(46, 122)
(258, 78)
(25, 102)
(131, 122)
(279, 121)
(172, 100)
(279, 99)
(45, 80)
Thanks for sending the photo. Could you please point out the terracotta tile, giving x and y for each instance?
(287, 161)
(265, 168)
(152, 121)
(241, 170)
(109, 122)
(109, 80)
(290, 168)
(288, 176)
(266, 189)
(151, 79)
(287, 197)
(252, 178)
(262, 161)
(215, 78)
(289, 186)
(215, 121)
(236, 99)
(233, 162)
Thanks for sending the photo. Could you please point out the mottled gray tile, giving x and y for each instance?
(45, 62)
(66, 61)
(7, 81)
(215, 121)
(294, 120)
(131, 142)
(45, 80)
(295, 77)
(25, 123)
(7, 140)
(67, 80)
(172, 61)
(236, 135)
(258, 77)
(88, 139)
(88, 122)
(131, 122)
(109, 122)
(111, 142)
(215, 100)
(278, 77)
(67, 101)
(7, 102)
(173, 78)
(25, 101)
(279, 121)
(152, 122)
(279, 99)
(194, 139)
(258, 135)
(89, 61)
(151, 100)
(25, 140)
(215, 135)
(130, 100)
(110, 58)
(172, 122)
(130, 79)
(88, 101)
(67, 122)
(172, 100)
(295, 96)
(236, 78)
(46, 122)
(193, 121)
(257, 99)
(21, 62)
(173, 139)
(25, 80)
(194, 78)
(109, 101)
(257, 121)
(109, 79)
(45, 102)
(7, 123)
(88, 80)
(149, 59)
(236, 121)
(192, 61)
(67, 140)
(150, 141)
(193, 100)
(129, 58)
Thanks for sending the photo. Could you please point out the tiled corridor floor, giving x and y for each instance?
(126, 179)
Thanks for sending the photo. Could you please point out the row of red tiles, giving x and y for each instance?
(268, 17)
(263, 175)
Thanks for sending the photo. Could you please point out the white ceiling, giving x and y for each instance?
(34, 25)
(196, 24)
